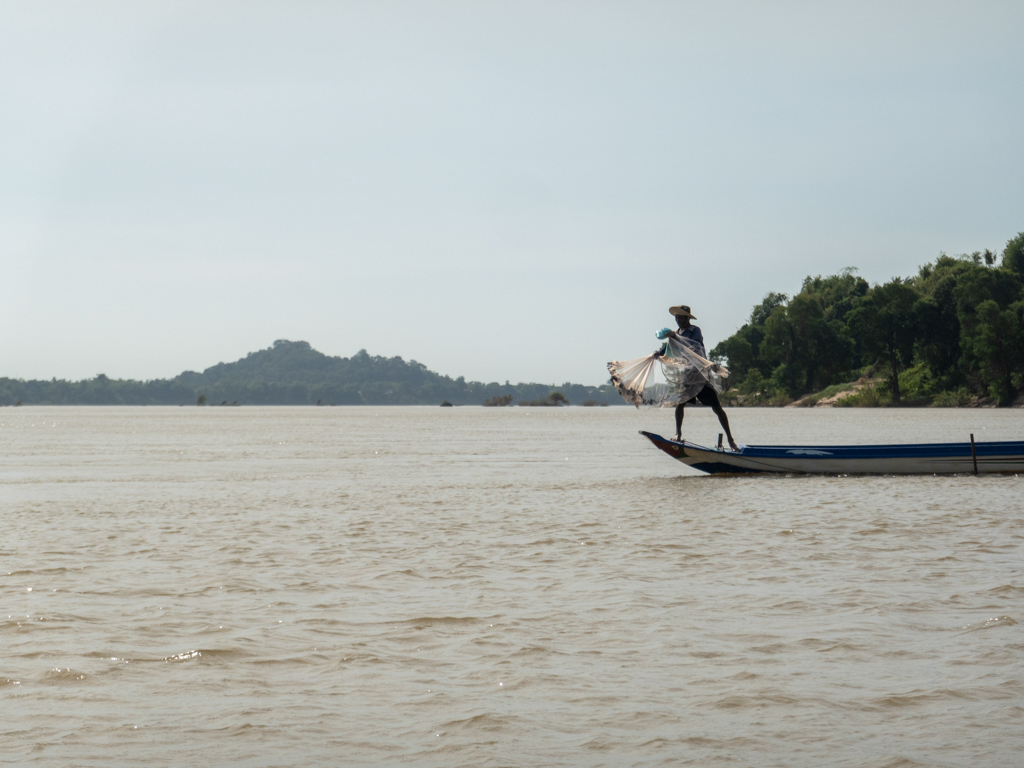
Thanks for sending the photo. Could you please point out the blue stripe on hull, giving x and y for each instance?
(922, 450)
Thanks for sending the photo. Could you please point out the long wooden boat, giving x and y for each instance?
(921, 459)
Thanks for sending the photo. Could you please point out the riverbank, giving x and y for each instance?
(864, 393)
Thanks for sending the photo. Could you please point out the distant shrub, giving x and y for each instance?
(810, 401)
(499, 401)
(916, 384)
(753, 384)
(729, 397)
(957, 398)
(555, 398)
(868, 397)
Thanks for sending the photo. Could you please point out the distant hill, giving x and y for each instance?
(293, 373)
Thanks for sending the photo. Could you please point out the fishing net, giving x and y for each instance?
(669, 379)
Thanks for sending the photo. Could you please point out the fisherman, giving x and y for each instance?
(691, 337)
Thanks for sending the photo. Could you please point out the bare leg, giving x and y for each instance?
(679, 421)
(724, 420)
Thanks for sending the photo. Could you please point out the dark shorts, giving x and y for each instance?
(706, 396)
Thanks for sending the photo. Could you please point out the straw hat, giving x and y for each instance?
(683, 310)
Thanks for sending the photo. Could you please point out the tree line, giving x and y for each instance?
(949, 335)
(292, 373)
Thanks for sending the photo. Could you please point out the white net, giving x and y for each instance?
(669, 379)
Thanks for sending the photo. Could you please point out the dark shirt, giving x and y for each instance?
(693, 333)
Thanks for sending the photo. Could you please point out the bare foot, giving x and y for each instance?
(678, 438)
(732, 444)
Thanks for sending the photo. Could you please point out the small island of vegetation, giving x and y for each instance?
(499, 401)
(553, 399)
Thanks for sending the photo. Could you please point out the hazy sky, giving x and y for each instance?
(501, 190)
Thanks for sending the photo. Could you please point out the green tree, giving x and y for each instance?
(838, 294)
(804, 348)
(996, 340)
(1013, 255)
(760, 313)
(977, 288)
(741, 351)
(938, 318)
(885, 322)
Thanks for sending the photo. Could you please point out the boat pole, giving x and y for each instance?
(974, 454)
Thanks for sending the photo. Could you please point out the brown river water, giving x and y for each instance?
(498, 587)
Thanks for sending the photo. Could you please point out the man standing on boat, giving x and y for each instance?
(690, 336)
